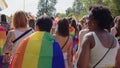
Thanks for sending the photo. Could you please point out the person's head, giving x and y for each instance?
(83, 22)
(117, 24)
(20, 19)
(73, 23)
(117, 21)
(44, 23)
(32, 23)
(63, 27)
(52, 18)
(3, 18)
(99, 16)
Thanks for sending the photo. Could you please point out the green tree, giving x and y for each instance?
(46, 7)
(116, 7)
(112, 4)
(69, 11)
(78, 9)
(61, 15)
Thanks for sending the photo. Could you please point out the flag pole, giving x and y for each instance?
(24, 5)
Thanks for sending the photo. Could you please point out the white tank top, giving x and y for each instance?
(98, 51)
(17, 33)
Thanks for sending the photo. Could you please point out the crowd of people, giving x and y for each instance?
(92, 42)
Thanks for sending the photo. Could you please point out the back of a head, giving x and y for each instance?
(73, 23)
(83, 19)
(32, 23)
(63, 27)
(44, 23)
(3, 18)
(20, 19)
(101, 15)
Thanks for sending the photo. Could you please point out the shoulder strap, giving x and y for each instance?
(65, 42)
(22, 35)
(104, 54)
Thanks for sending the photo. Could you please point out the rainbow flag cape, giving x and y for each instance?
(2, 39)
(3, 4)
(39, 50)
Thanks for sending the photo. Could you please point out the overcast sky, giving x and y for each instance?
(31, 5)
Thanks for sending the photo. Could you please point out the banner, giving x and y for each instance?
(3, 5)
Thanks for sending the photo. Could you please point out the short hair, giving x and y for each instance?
(3, 18)
(73, 23)
(102, 15)
(44, 23)
(20, 19)
(32, 23)
(63, 27)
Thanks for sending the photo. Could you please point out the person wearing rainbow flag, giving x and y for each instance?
(40, 49)
(2, 41)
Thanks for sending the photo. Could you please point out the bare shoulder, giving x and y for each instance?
(84, 31)
(88, 38)
(89, 35)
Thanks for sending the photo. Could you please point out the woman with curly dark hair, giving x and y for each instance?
(99, 47)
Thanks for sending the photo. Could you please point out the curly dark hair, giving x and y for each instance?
(44, 23)
(63, 27)
(102, 15)
(3, 18)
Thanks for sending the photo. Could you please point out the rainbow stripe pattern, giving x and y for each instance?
(2, 39)
(39, 50)
(75, 39)
(72, 31)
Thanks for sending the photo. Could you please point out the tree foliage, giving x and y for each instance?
(46, 7)
(77, 9)
(80, 7)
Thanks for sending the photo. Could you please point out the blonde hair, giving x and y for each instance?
(19, 19)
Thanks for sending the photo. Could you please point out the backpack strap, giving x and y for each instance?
(104, 54)
(22, 35)
(65, 42)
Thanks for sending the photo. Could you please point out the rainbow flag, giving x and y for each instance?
(3, 4)
(39, 50)
(2, 39)
(72, 31)
(74, 38)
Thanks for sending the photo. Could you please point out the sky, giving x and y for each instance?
(31, 5)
